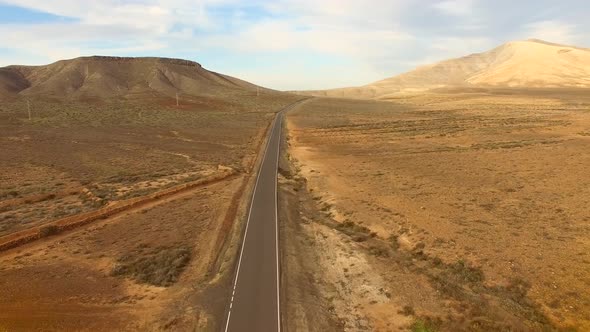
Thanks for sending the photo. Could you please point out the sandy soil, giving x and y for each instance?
(468, 208)
(67, 282)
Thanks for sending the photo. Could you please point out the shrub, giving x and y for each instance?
(518, 289)
(437, 261)
(349, 228)
(360, 238)
(423, 326)
(393, 241)
(48, 230)
(466, 272)
(161, 267)
(378, 251)
(407, 311)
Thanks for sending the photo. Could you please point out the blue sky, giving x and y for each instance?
(284, 44)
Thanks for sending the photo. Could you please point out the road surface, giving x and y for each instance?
(255, 301)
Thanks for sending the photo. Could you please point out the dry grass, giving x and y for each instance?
(159, 267)
(481, 194)
(75, 157)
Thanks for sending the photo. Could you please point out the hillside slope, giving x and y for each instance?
(531, 63)
(105, 77)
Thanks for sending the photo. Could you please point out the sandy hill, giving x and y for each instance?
(531, 64)
(105, 77)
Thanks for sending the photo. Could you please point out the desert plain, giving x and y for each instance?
(452, 210)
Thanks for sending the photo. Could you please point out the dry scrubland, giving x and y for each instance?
(144, 269)
(462, 211)
(74, 157)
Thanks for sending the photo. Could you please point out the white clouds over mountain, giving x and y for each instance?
(345, 42)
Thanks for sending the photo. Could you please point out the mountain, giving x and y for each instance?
(107, 77)
(531, 64)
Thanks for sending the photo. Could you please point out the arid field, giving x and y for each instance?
(75, 157)
(146, 261)
(458, 210)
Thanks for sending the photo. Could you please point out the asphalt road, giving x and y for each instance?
(255, 301)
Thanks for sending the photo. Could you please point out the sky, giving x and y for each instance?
(285, 44)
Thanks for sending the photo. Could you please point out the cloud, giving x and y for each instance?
(277, 35)
(455, 7)
(105, 27)
(553, 31)
(151, 15)
(455, 46)
(369, 40)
